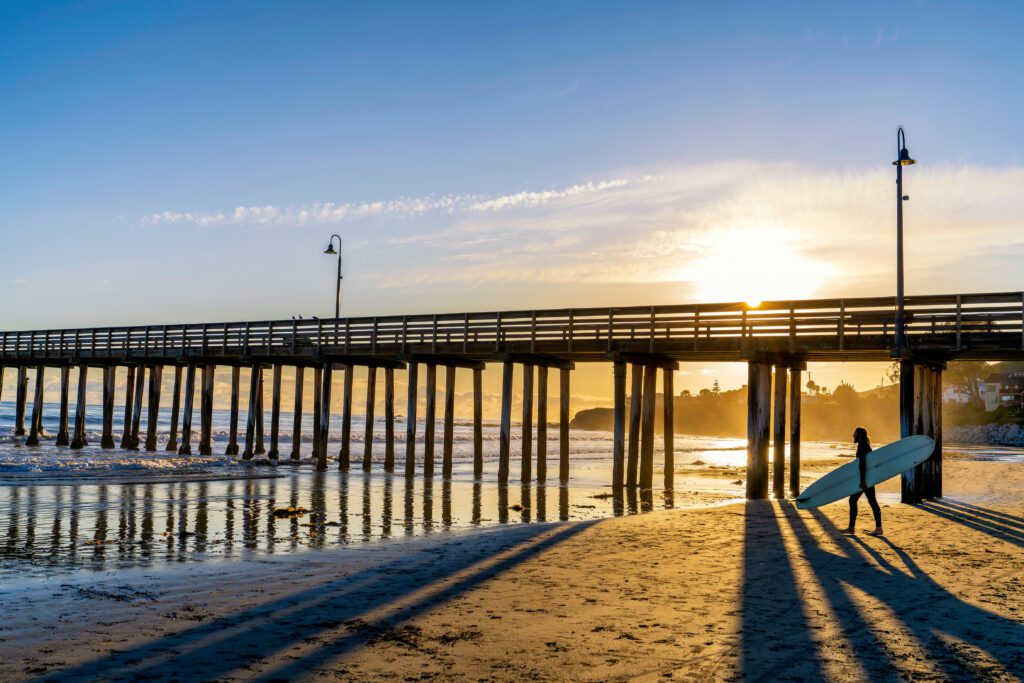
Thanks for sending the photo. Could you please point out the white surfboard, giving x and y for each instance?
(883, 463)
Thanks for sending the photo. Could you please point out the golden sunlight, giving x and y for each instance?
(753, 264)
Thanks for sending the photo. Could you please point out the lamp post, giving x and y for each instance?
(902, 159)
(337, 295)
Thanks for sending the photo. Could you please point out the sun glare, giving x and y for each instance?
(753, 264)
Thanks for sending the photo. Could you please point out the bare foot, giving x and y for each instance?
(848, 530)
(876, 532)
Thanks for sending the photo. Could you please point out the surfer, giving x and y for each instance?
(863, 441)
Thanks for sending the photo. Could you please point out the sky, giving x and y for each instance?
(169, 162)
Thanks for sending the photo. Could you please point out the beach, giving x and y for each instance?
(755, 590)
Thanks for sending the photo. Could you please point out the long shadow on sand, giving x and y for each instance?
(949, 632)
(336, 615)
(999, 525)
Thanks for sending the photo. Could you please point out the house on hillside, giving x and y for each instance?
(1003, 389)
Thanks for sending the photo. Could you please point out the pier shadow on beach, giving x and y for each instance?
(335, 616)
(886, 614)
(999, 525)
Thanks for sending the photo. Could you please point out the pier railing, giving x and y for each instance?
(952, 323)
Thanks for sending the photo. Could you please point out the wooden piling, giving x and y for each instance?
(478, 420)
(260, 448)
(324, 429)
(794, 431)
(318, 390)
(779, 433)
(505, 435)
(232, 448)
(669, 419)
(759, 399)
(36, 421)
(344, 458)
(172, 440)
(20, 399)
(633, 454)
(410, 421)
(925, 426)
(186, 420)
(563, 425)
(936, 457)
(129, 402)
(430, 418)
(206, 412)
(140, 385)
(153, 409)
(389, 419)
(79, 440)
(909, 480)
(107, 433)
(251, 408)
(542, 424)
(371, 404)
(647, 427)
(297, 414)
(63, 439)
(275, 413)
(449, 422)
(618, 425)
(526, 443)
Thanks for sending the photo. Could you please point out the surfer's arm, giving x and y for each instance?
(862, 465)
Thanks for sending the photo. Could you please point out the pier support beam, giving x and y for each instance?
(232, 448)
(318, 390)
(371, 404)
(779, 434)
(633, 455)
(186, 421)
(153, 409)
(260, 448)
(172, 440)
(921, 413)
(344, 457)
(129, 401)
(20, 399)
(79, 440)
(526, 444)
(542, 424)
(297, 414)
(107, 433)
(324, 429)
(430, 417)
(647, 427)
(449, 422)
(410, 421)
(140, 385)
(505, 435)
(206, 412)
(478, 422)
(563, 425)
(759, 399)
(389, 419)
(794, 431)
(619, 425)
(252, 407)
(63, 439)
(36, 421)
(275, 413)
(668, 394)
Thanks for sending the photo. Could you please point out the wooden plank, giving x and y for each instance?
(505, 434)
(449, 422)
(172, 440)
(153, 408)
(779, 433)
(430, 418)
(794, 431)
(647, 427)
(344, 454)
(232, 448)
(323, 417)
(296, 454)
(410, 420)
(478, 431)
(251, 408)
(668, 400)
(542, 424)
(759, 384)
(619, 425)
(275, 413)
(371, 401)
(526, 443)
(63, 439)
(389, 419)
(633, 454)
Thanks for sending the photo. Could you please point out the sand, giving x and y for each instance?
(753, 590)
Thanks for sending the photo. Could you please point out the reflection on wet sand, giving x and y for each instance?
(52, 528)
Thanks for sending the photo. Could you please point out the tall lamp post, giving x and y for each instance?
(902, 159)
(337, 294)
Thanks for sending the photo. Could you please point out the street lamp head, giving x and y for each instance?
(330, 249)
(904, 159)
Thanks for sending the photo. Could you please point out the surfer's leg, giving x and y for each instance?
(875, 510)
(853, 514)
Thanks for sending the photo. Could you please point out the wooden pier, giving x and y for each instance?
(776, 339)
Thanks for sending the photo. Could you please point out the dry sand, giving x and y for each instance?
(751, 590)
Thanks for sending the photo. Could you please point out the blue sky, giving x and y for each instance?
(168, 162)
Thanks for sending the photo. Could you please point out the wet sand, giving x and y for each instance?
(754, 589)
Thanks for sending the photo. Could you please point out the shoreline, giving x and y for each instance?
(754, 588)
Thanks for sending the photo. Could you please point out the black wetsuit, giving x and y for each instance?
(862, 450)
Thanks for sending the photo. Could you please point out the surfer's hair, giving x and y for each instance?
(860, 435)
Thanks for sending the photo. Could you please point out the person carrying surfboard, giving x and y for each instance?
(863, 441)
